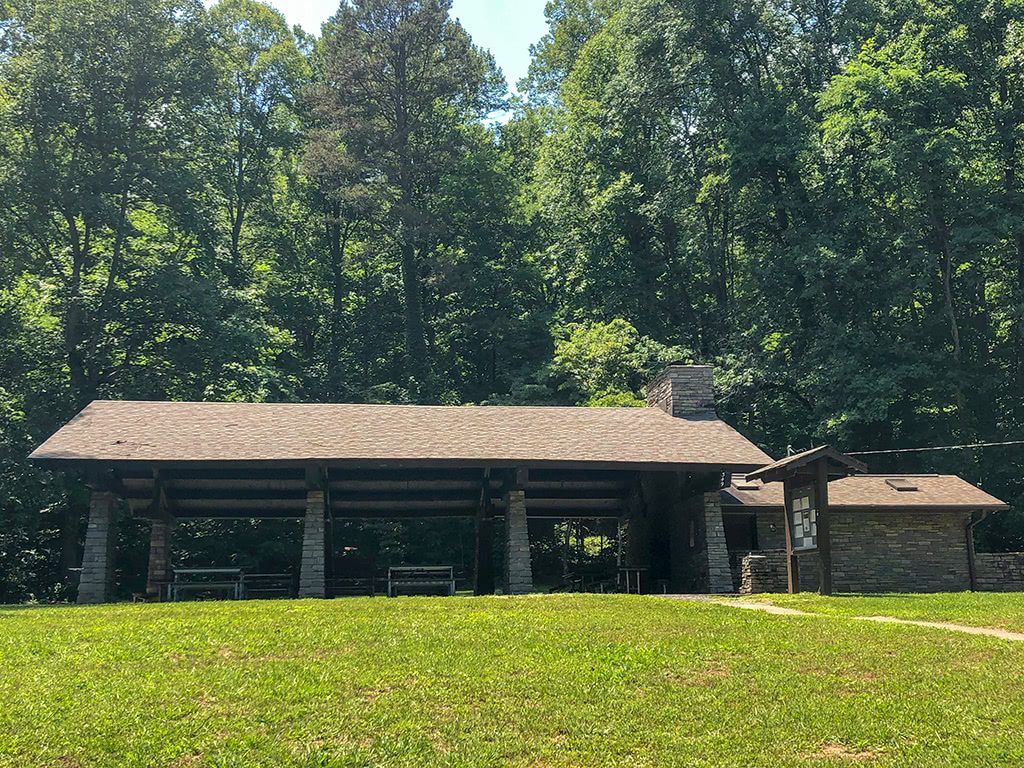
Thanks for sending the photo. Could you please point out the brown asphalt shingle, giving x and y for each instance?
(257, 432)
(873, 492)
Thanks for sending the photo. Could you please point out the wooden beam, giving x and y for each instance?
(533, 503)
(193, 505)
(823, 516)
(577, 485)
(218, 484)
(483, 559)
(408, 485)
(792, 565)
(349, 504)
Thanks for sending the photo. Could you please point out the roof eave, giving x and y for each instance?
(68, 463)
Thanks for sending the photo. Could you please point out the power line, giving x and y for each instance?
(935, 448)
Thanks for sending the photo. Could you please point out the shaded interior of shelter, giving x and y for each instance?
(584, 525)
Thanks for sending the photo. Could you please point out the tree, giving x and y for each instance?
(260, 72)
(400, 78)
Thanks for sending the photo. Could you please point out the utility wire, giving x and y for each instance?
(935, 448)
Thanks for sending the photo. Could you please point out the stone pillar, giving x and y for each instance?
(754, 574)
(716, 551)
(160, 532)
(311, 574)
(96, 584)
(519, 569)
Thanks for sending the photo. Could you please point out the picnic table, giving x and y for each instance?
(230, 581)
(629, 579)
(420, 578)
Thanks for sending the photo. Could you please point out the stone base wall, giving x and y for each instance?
(96, 583)
(999, 571)
(716, 554)
(518, 564)
(159, 573)
(771, 531)
(312, 571)
(763, 571)
(902, 551)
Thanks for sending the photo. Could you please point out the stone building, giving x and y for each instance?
(663, 472)
(890, 533)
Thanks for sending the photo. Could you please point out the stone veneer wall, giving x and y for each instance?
(999, 571)
(898, 551)
(715, 553)
(771, 530)
(312, 582)
(96, 584)
(763, 571)
(159, 573)
(518, 565)
(683, 390)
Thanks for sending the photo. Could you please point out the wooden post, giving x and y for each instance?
(824, 530)
(792, 566)
(483, 570)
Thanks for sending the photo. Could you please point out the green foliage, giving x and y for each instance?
(607, 364)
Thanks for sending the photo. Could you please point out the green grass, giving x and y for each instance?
(537, 681)
(979, 609)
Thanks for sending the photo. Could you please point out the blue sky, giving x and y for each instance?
(506, 27)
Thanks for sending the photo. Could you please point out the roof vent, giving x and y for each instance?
(900, 484)
(748, 487)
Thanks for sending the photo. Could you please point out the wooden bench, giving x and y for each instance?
(426, 579)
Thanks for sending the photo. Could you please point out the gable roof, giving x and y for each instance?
(142, 431)
(840, 464)
(873, 492)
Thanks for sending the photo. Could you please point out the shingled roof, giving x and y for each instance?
(873, 492)
(155, 432)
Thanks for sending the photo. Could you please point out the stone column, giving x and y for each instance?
(519, 570)
(96, 583)
(716, 551)
(311, 574)
(160, 531)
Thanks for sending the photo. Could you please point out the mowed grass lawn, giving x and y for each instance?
(535, 681)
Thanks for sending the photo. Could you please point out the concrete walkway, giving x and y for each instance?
(779, 610)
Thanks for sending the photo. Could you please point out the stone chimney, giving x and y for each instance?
(684, 391)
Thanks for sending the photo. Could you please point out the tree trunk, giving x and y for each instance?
(337, 234)
(415, 338)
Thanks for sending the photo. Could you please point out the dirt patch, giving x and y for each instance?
(833, 751)
(709, 676)
(1002, 634)
(369, 695)
(779, 610)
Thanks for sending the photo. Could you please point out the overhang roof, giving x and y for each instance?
(873, 492)
(181, 432)
(839, 465)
